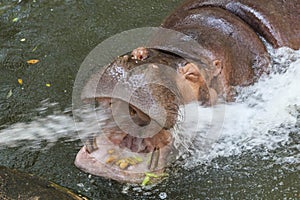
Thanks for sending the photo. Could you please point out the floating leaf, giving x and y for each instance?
(152, 175)
(48, 85)
(155, 175)
(33, 61)
(34, 49)
(15, 19)
(146, 180)
(20, 81)
(9, 94)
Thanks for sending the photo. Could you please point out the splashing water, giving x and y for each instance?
(264, 116)
(42, 130)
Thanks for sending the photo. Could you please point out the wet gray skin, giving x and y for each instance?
(64, 32)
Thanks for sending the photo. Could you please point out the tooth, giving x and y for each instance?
(91, 144)
(154, 158)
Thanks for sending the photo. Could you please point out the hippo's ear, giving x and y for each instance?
(218, 66)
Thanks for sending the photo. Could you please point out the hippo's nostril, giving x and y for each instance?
(140, 53)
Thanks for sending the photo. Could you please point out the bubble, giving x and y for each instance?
(163, 195)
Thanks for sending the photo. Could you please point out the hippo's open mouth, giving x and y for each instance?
(139, 97)
(123, 156)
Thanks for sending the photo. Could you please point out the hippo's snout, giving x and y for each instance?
(141, 101)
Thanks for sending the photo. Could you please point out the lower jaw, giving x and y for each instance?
(106, 162)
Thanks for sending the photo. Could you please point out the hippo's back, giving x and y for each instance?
(278, 21)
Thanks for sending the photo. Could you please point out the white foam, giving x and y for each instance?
(262, 116)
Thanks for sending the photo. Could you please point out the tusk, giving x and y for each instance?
(91, 144)
(154, 158)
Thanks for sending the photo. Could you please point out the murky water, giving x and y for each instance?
(254, 155)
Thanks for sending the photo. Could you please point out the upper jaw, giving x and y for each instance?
(148, 84)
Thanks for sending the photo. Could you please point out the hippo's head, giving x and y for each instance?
(140, 94)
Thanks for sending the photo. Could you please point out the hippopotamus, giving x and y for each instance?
(232, 37)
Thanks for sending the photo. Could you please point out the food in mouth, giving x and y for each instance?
(123, 156)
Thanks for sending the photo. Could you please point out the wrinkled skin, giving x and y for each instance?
(232, 54)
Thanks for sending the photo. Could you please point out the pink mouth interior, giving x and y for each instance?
(123, 157)
(114, 162)
(126, 159)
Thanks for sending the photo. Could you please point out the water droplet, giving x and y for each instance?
(80, 185)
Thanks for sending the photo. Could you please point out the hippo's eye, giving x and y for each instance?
(132, 112)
